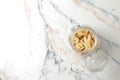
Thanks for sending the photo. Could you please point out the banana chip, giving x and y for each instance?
(83, 39)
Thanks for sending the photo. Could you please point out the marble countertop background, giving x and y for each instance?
(34, 38)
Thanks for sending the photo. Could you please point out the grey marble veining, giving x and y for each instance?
(35, 39)
(57, 67)
(92, 3)
(74, 22)
(107, 16)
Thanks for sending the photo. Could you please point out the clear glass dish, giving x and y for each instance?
(95, 59)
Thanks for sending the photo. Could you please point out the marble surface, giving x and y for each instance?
(34, 38)
(59, 17)
(22, 46)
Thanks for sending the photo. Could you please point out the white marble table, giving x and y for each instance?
(34, 39)
(59, 16)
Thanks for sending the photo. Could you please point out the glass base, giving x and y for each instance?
(96, 61)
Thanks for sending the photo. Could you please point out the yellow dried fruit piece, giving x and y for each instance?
(76, 40)
(79, 46)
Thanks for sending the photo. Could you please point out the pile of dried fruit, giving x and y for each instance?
(83, 39)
